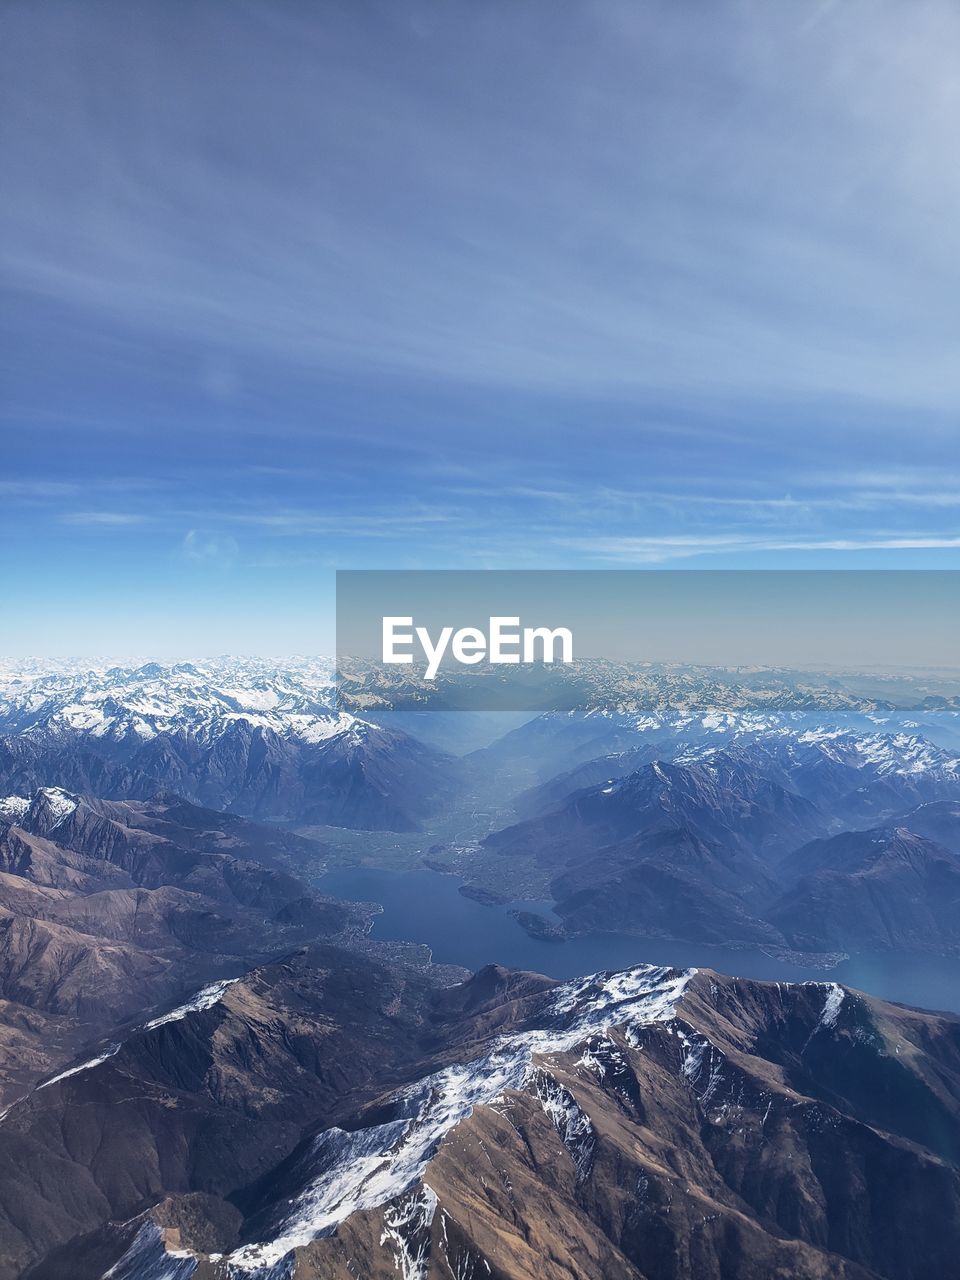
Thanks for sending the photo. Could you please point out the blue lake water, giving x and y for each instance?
(427, 907)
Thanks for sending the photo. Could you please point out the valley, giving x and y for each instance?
(288, 993)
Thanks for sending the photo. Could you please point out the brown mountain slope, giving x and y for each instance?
(109, 910)
(333, 1117)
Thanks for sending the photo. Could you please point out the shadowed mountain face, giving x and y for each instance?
(258, 739)
(210, 1073)
(887, 889)
(852, 778)
(359, 776)
(685, 849)
(738, 845)
(937, 822)
(332, 1117)
(107, 908)
(725, 799)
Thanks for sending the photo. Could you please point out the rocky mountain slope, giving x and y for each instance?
(744, 844)
(109, 908)
(884, 889)
(270, 739)
(330, 1117)
(248, 736)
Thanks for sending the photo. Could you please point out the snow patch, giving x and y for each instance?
(83, 1066)
(148, 1259)
(831, 1005)
(702, 1065)
(204, 999)
(13, 807)
(372, 1167)
(569, 1119)
(406, 1226)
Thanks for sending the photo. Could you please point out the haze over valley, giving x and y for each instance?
(214, 1065)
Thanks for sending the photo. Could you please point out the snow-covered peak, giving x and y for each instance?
(39, 813)
(206, 998)
(131, 705)
(893, 753)
(383, 1166)
(877, 755)
(13, 808)
(370, 1168)
(386, 1167)
(50, 807)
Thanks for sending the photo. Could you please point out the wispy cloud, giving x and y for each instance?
(678, 282)
(109, 519)
(37, 490)
(205, 548)
(657, 550)
(370, 524)
(735, 203)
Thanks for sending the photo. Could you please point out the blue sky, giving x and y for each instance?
(289, 287)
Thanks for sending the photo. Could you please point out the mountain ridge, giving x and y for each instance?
(647, 1123)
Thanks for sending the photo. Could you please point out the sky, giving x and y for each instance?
(291, 287)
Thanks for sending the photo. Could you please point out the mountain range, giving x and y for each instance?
(109, 908)
(816, 843)
(256, 739)
(686, 829)
(328, 1116)
(210, 1071)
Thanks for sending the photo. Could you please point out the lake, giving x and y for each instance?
(427, 907)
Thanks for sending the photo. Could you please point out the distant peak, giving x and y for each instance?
(49, 808)
(13, 808)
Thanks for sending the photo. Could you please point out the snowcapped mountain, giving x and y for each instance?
(295, 698)
(620, 709)
(851, 776)
(865, 772)
(13, 808)
(266, 738)
(42, 814)
(644, 1124)
(252, 736)
(131, 705)
(698, 846)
